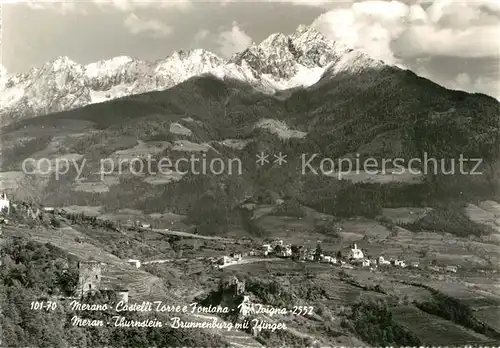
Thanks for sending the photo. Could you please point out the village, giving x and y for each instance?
(354, 258)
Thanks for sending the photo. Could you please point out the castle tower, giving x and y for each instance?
(89, 277)
(4, 203)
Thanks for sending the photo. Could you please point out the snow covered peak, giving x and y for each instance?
(57, 85)
(306, 36)
(58, 72)
(312, 49)
(283, 57)
(62, 63)
(244, 72)
(352, 62)
(182, 65)
(308, 31)
(205, 60)
(107, 66)
(199, 53)
(278, 62)
(274, 41)
(272, 56)
(302, 27)
(300, 58)
(120, 60)
(201, 56)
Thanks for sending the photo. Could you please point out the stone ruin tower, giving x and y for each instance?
(236, 286)
(89, 277)
(230, 293)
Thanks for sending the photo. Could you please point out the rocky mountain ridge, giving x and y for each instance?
(279, 62)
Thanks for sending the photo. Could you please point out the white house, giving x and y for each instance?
(382, 261)
(135, 262)
(225, 260)
(366, 263)
(398, 263)
(286, 251)
(266, 248)
(4, 203)
(435, 268)
(236, 256)
(283, 253)
(355, 253)
(327, 259)
(452, 269)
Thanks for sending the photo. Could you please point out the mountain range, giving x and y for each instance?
(297, 94)
(278, 63)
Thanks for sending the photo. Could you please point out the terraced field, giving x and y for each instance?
(482, 302)
(432, 330)
(489, 316)
(65, 239)
(471, 297)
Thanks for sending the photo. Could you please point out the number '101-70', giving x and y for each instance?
(39, 305)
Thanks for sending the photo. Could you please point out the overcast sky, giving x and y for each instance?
(454, 43)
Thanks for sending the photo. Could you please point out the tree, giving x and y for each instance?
(278, 249)
(55, 222)
(295, 252)
(318, 252)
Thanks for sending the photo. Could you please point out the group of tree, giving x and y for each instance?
(372, 321)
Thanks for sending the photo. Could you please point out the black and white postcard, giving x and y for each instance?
(292, 173)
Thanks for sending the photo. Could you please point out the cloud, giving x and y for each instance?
(402, 33)
(465, 81)
(61, 6)
(311, 3)
(131, 5)
(201, 35)
(454, 29)
(66, 6)
(232, 41)
(154, 27)
(481, 84)
(429, 40)
(370, 26)
(392, 30)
